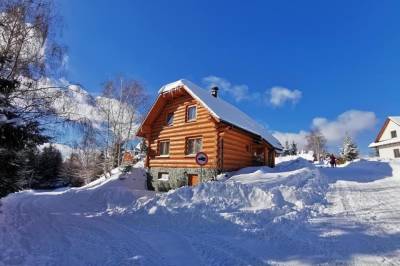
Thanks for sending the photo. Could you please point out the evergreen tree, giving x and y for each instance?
(349, 150)
(48, 168)
(286, 149)
(19, 138)
(32, 52)
(293, 148)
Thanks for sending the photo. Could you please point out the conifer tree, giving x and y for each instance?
(349, 150)
(286, 149)
(293, 148)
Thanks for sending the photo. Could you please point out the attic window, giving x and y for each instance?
(393, 134)
(170, 119)
(191, 113)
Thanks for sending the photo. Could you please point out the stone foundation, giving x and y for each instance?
(178, 177)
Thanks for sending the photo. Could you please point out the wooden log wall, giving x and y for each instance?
(204, 127)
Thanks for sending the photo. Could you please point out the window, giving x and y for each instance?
(393, 134)
(396, 153)
(163, 176)
(191, 113)
(164, 147)
(170, 119)
(193, 145)
(248, 148)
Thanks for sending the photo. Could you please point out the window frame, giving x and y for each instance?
(161, 178)
(166, 119)
(393, 135)
(396, 153)
(187, 146)
(187, 113)
(159, 147)
(248, 148)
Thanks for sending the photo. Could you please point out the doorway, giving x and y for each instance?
(193, 179)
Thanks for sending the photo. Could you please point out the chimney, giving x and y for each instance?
(214, 91)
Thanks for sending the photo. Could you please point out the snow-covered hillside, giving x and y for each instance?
(293, 214)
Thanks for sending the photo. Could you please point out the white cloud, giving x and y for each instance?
(278, 96)
(352, 122)
(238, 92)
(299, 138)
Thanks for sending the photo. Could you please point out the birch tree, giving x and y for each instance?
(316, 142)
(121, 103)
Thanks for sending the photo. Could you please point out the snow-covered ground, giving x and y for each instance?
(296, 213)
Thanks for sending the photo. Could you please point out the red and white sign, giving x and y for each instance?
(201, 158)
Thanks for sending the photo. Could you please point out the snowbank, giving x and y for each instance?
(293, 189)
(294, 214)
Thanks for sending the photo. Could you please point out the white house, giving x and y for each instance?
(387, 143)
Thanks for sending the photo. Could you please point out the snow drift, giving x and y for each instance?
(292, 214)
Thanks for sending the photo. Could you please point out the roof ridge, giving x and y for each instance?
(223, 110)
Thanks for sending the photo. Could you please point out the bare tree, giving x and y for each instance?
(29, 52)
(316, 142)
(122, 101)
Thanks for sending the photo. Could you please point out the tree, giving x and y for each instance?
(48, 169)
(28, 53)
(316, 143)
(293, 148)
(121, 104)
(286, 149)
(73, 169)
(349, 150)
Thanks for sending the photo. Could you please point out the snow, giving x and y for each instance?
(223, 110)
(294, 214)
(384, 142)
(395, 119)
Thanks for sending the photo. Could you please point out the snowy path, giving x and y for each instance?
(295, 214)
(362, 221)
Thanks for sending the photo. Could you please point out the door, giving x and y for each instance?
(193, 180)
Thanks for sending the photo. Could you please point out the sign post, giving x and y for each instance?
(201, 159)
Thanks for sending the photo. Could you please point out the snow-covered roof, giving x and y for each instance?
(384, 142)
(395, 119)
(223, 110)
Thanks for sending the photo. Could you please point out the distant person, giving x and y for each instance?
(332, 161)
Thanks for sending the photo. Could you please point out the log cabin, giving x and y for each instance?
(186, 119)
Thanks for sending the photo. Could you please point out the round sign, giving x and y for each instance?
(201, 158)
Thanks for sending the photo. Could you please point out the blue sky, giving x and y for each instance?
(324, 59)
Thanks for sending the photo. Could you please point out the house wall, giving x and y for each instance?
(204, 127)
(177, 164)
(234, 150)
(390, 127)
(238, 150)
(178, 177)
(387, 152)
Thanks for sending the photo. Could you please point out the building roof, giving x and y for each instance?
(377, 143)
(395, 119)
(222, 110)
(384, 142)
